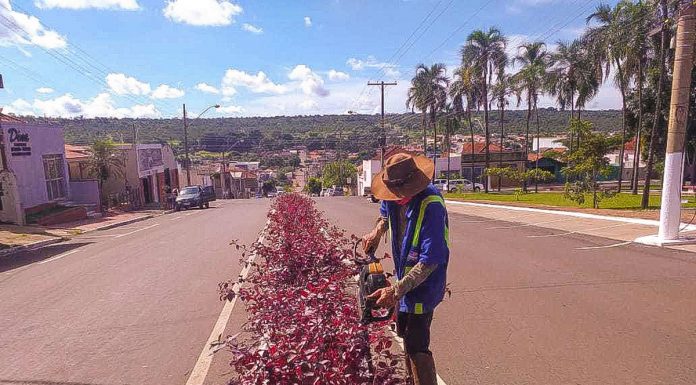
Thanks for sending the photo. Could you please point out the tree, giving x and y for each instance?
(529, 81)
(417, 99)
(588, 162)
(520, 177)
(501, 91)
(104, 161)
(337, 173)
(657, 115)
(484, 50)
(464, 89)
(430, 88)
(313, 186)
(608, 44)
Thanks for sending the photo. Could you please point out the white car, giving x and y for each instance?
(461, 185)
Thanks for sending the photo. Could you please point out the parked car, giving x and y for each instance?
(440, 184)
(194, 196)
(337, 192)
(462, 185)
(280, 191)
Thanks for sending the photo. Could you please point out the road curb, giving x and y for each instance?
(30, 247)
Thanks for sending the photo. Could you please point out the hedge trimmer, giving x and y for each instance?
(372, 278)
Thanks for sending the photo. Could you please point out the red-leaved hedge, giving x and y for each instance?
(303, 325)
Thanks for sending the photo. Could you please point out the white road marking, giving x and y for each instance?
(604, 247)
(193, 212)
(138, 230)
(175, 218)
(200, 370)
(400, 341)
(57, 257)
(578, 231)
(527, 224)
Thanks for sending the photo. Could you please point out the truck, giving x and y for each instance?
(194, 196)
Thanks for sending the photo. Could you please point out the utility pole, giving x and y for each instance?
(186, 150)
(2, 135)
(670, 210)
(383, 137)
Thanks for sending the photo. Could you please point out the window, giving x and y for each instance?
(54, 172)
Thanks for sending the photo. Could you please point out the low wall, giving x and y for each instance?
(85, 192)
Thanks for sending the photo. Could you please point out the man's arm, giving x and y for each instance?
(371, 240)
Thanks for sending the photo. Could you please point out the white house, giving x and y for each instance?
(369, 169)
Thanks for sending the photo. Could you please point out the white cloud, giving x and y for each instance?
(259, 83)
(307, 21)
(389, 70)
(231, 110)
(252, 28)
(202, 12)
(68, 106)
(207, 88)
(309, 104)
(45, 90)
(20, 29)
(310, 82)
(166, 92)
(338, 75)
(126, 85)
(129, 5)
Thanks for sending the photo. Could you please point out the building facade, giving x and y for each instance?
(33, 171)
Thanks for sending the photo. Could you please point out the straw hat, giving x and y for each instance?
(403, 176)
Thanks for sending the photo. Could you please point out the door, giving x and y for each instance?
(147, 190)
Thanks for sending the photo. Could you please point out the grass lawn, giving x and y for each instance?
(621, 201)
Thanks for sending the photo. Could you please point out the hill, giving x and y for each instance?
(350, 133)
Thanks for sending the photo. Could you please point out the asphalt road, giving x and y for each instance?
(561, 310)
(131, 305)
(135, 305)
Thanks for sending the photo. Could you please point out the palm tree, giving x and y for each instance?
(529, 81)
(657, 116)
(502, 90)
(429, 87)
(418, 99)
(104, 161)
(463, 89)
(608, 42)
(484, 50)
(637, 49)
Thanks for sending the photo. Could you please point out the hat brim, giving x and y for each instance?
(417, 183)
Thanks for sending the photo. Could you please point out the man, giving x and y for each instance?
(414, 211)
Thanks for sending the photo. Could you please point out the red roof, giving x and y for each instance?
(630, 145)
(480, 148)
(390, 151)
(9, 118)
(76, 152)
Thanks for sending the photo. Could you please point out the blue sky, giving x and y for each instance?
(128, 58)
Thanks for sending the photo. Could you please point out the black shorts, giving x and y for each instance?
(415, 331)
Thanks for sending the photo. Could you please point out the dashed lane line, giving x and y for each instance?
(604, 247)
(578, 231)
(57, 257)
(527, 224)
(135, 231)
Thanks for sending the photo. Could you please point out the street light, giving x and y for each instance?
(186, 149)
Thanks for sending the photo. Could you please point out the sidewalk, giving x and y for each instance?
(563, 223)
(14, 238)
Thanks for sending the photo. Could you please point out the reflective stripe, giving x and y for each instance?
(407, 269)
(418, 309)
(421, 214)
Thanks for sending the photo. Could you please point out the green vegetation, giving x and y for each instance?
(337, 173)
(623, 201)
(104, 161)
(313, 186)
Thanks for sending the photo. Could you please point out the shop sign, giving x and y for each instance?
(19, 142)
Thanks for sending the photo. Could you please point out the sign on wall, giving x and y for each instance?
(149, 158)
(19, 142)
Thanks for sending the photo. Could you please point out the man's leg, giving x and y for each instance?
(415, 330)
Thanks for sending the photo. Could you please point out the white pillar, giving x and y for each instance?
(670, 209)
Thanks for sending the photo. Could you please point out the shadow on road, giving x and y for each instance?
(27, 257)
